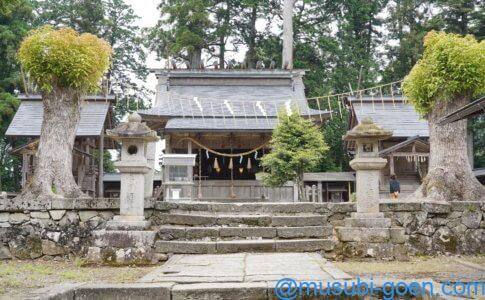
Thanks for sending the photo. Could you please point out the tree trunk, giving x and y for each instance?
(195, 58)
(450, 176)
(251, 54)
(287, 61)
(53, 174)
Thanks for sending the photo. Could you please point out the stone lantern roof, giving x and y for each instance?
(367, 129)
(133, 129)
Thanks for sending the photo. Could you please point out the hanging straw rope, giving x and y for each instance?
(224, 154)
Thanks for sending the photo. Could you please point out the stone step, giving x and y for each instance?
(362, 234)
(168, 232)
(236, 246)
(191, 219)
(256, 207)
(368, 222)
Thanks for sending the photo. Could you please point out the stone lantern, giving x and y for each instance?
(134, 137)
(367, 163)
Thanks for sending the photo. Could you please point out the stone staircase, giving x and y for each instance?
(199, 228)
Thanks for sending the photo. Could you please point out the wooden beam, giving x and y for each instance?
(101, 165)
(410, 154)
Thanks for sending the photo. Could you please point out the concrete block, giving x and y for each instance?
(389, 206)
(368, 222)
(366, 215)
(304, 232)
(359, 234)
(221, 291)
(250, 220)
(201, 232)
(343, 207)
(123, 239)
(185, 247)
(168, 233)
(298, 221)
(245, 246)
(263, 232)
(187, 219)
(159, 291)
(307, 245)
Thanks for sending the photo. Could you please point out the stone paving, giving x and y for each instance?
(245, 268)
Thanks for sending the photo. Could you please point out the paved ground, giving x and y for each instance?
(245, 267)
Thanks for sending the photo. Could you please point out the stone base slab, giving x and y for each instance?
(128, 225)
(368, 222)
(123, 238)
(362, 215)
(362, 234)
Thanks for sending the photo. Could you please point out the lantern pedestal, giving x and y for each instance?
(127, 239)
(367, 228)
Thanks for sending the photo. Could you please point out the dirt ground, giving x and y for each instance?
(17, 277)
(437, 268)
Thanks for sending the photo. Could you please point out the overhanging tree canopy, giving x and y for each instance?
(450, 73)
(65, 65)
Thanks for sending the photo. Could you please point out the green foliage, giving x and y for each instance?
(451, 66)
(296, 147)
(115, 22)
(64, 58)
(108, 164)
(10, 175)
(478, 128)
(183, 29)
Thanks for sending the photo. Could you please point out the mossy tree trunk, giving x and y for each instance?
(53, 174)
(450, 176)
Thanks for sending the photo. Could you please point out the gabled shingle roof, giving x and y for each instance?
(28, 119)
(392, 114)
(225, 94)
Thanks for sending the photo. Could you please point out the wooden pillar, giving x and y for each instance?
(190, 170)
(101, 165)
(164, 168)
(25, 168)
(326, 189)
(391, 165)
(320, 192)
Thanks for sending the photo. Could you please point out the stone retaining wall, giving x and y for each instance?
(438, 228)
(30, 230)
(64, 226)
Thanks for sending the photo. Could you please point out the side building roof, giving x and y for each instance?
(27, 121)
(391, 113)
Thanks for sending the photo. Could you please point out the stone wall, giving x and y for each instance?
(64, 227)
(440, 228)
(30, 230)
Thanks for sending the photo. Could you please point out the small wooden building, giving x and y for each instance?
(96, 117)
(329, 186)
(226, 118)
(407, 151)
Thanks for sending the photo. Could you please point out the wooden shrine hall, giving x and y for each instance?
(226, 117)
(96, 117)
(407, 151)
